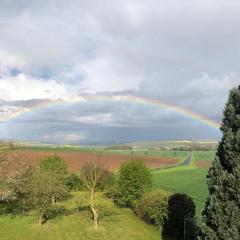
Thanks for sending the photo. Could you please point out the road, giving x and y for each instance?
(187, 161)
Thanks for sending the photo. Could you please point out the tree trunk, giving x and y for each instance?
(41, 219)
(95, 218)
(53, 200)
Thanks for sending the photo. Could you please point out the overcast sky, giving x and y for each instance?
(185, 53)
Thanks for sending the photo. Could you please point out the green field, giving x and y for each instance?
(204, 155)
(141, 152)
(119, 224)
(186, 179)
(61, 149)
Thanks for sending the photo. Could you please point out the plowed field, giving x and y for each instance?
(113, 161)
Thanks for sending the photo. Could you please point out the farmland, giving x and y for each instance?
(187, 179)
(122, 224)
(203, 159)
(113, 159)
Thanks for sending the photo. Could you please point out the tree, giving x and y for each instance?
(180, 206)
(40, 193)
(222, 208)
(57, 170)
(135, 179)
(94, 179)
(13, 168)
(21, 191)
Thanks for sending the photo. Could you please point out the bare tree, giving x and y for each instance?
(94, 178)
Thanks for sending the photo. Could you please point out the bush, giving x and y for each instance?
(73, 182)
(110, 184)
(134, 180)
(153, 207)
(180, 206)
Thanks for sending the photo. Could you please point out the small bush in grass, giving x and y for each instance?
(153, 207)
(180, 206)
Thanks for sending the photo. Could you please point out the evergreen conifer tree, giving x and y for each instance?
(222, 208)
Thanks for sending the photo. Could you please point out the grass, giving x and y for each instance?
(204, 155)
(190, 180)
(121, 224)
(141, 152)
(61, 149)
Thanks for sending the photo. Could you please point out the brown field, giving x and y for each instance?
(113, 161)
(204, 164)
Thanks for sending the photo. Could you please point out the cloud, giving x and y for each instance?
(10, 61)
(183, 53)
(24, 87)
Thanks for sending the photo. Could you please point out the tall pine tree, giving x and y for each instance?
(222, 208)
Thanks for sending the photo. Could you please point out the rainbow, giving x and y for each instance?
(127, 98)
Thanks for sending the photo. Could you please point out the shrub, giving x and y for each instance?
(74, 182)
(180, 206)
(134, 180)
(110, 184)
(153, 207)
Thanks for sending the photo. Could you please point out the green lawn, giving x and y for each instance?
(121, 224)
(189, 180)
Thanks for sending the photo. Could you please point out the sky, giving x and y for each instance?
(182, 53)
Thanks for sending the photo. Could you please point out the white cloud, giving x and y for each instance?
(23, 87)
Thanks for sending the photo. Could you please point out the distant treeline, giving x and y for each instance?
(190, 148)
(118, 147)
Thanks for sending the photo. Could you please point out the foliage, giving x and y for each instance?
(40, 193)
(22, 190)
(13, 169)
(134, 180)
(55, 165)
(222, 208)
(180, 206)
(73, 182)
(41, 187)
(57, 170)
(152, 207)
